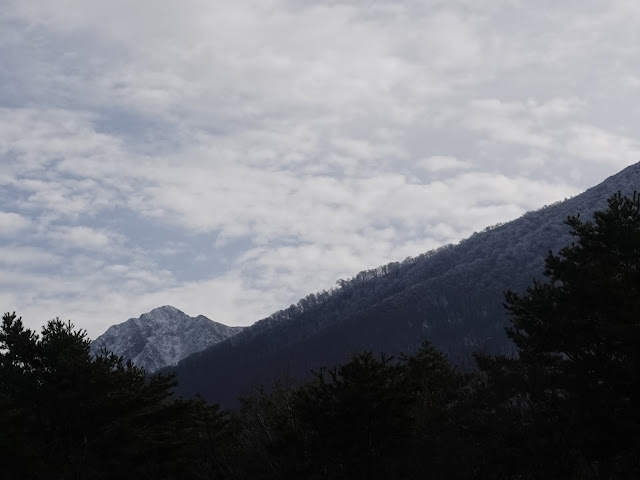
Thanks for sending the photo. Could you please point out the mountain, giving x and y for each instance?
(451, 296)
(162, 337)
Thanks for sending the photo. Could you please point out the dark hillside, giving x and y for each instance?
(452, 296)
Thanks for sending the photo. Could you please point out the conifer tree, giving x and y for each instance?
(65, 414)
(578, 337)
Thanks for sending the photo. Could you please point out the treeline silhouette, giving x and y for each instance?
(566, 406)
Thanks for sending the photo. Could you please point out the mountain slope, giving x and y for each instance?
(162, 337)
(452, 296)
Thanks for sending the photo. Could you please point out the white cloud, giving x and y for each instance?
(27, 256)
(506, 122)
(437, 163)
(81, 237)
(598, 145)
(12, 223)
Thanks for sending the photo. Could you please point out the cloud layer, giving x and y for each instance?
(229, 159)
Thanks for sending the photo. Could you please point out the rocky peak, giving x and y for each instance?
(162, 337)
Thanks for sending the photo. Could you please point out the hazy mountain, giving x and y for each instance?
(162, 337)
(452, 296)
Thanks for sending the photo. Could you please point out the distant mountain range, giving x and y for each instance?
(451, 296)
(162, 337)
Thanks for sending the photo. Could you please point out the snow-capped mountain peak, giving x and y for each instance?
(162, 337)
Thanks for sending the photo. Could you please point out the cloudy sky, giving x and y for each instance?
(229, 157)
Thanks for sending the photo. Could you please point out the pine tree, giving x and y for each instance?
(578, 337)
(65, 414)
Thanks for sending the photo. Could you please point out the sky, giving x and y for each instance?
(228, 158)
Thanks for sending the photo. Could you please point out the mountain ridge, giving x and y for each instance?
(451, 296)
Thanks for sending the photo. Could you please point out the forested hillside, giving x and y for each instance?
(451, 296)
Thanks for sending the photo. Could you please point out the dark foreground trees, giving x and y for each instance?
(64, 414)
(573, 393)
(369, 418)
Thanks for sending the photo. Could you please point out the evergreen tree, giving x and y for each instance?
(270, 434)
(578, 337)
(64, 414)
(357, 417)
